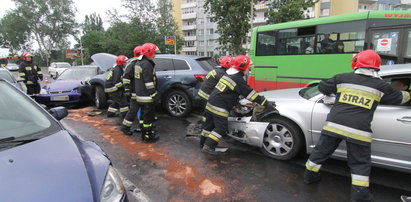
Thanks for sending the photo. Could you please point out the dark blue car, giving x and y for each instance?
(179, 77)
(41, 161)
(70, 87)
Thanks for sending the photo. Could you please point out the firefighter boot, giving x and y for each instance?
(149, 135)
(360, 194)
(202, 141)
(210, 147)
(311, 177)
(126, 130)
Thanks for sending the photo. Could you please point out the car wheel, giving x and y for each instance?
(177, 103)
(282, 139)
(100, 99)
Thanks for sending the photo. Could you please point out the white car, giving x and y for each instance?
(12, 67)
(56, 68)
(303, 113)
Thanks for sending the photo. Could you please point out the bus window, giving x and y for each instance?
(385, 42)
(345, 37)
(266, 43)
(407, 56)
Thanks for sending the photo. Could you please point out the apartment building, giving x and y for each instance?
(336, 7)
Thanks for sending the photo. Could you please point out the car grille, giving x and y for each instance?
(60, 92)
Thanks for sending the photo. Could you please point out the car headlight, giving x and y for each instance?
(113, 189)
(43, 91)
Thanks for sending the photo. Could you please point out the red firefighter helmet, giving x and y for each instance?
(226, 62)
(149, 49)
(242, 62)
(137, 51)
(121, 59)
(27, 54)
(367, 58)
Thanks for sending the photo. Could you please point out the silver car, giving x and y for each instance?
(303, 114)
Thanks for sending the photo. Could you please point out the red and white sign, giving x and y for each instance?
(384, 44)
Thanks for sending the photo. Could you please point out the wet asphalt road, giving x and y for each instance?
(174, 169)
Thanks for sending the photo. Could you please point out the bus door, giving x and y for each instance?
(391, 44)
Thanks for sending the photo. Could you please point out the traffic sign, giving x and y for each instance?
(170, 40)
(384, 44)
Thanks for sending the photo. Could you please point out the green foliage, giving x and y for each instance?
(233, 20)
(13, 32)
(288, 10)
(48, 23)
(167, 26)
(92, 23)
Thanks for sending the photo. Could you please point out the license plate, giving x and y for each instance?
(60, 98)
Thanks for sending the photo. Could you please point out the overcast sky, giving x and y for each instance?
(84, 7)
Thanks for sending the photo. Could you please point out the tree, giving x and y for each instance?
(14, 33)
(92, 23)
(232, 17)
(288, 10)
(167, 26)
(48, 23)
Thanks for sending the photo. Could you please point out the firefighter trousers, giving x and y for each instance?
(119, 104)
(215, 127)
(33, 89)
(131, 114)
(358, 159)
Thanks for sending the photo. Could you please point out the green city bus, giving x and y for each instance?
(301, 53)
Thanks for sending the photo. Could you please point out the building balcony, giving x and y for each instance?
(189, 49)
(261, 6)
(189, 5)
(189, 16)
(367, 1)
(259, 20)
(189, 27)
(190, 38)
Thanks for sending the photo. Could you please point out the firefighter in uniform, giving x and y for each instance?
(31, 73)
(129, 88)
(145, 88)
(357, 96)
(114, 88)
(207, 87)
(223, 98)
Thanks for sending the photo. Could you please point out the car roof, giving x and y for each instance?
(194, 57)
(84, 67)
(387, 70)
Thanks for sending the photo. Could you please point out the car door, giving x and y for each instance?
(392, 136)
(164, 69)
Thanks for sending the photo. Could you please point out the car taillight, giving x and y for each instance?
(200, 77)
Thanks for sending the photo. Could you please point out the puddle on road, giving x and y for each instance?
(176, 172)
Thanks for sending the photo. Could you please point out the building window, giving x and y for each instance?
(200, 32)
(211, 31)
(325, 12)
(200, 43)
(201, 53)
(210, 54)
(210, 43)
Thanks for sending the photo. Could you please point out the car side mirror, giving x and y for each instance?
(58, 112)
(20, 80)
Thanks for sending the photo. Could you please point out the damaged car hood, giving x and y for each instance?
(104, 60)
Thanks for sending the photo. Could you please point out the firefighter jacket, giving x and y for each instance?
(30, 72)
(227, 91)
(114, 79)
(128, 77)
(144, 81)
(211, 80)
(357, 96)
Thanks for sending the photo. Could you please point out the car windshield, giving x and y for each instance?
(309, 92)
(25, 120)
(6, 76)
(63, 65)
(78, 74)
(207, 63)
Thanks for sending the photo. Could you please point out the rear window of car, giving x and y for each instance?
(63, 65)
(207, 63)
(163, 64)
(180, 65)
